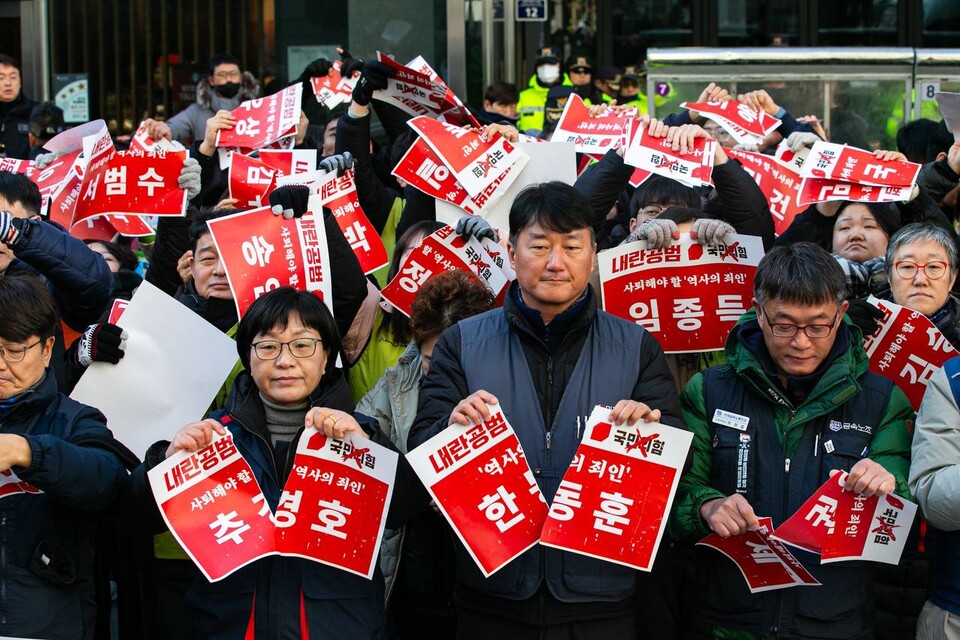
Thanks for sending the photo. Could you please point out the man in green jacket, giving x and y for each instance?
(794, 404)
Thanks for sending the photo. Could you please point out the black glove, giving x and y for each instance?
(864, 315)
(474, 226)
(316, 69)
(102, 342)
(291, 200)
(349, 64)
(341, 163)
(373, 78)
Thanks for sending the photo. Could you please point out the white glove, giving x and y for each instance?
(658, 233)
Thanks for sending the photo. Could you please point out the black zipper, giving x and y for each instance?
(548, 423)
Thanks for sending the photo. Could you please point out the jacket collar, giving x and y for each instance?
(577, 318)
(32, 400)
(832, 385)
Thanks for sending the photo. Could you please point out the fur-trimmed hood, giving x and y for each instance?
(206, 98)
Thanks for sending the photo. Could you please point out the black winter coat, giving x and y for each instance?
(47, 539)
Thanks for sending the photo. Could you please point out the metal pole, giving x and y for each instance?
(509, 41)
(489, 60)
(456, 47)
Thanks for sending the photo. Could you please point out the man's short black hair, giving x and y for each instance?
(46, 121)
(10, 61)
(28, 309)
(502, 93)
(663, 191)
(198, 226)
(799, 273)
(555, 206)
(913, 138)
(223, 58)
(16, 187)
(274, 310)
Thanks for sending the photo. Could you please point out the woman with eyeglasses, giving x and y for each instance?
(921, 270)
(288, 344)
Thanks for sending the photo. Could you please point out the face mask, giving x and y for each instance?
(548, 73)
(228, 90)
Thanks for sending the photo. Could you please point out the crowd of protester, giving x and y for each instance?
(794, 365)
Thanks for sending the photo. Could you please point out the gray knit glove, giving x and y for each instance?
(658, 233)
(189, 178)
(710, 231)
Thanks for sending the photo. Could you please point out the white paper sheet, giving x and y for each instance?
(548, 161)
(174, 363)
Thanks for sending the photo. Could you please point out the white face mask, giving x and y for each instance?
(548, 73)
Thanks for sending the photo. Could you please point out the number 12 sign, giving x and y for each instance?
(531, 10)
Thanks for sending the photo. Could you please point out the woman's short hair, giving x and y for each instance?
(445, 300)
(274, 309)
(919, 232)
(28, 309)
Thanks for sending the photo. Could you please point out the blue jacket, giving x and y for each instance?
(76, 464)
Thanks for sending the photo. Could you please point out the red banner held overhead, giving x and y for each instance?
(262, 251)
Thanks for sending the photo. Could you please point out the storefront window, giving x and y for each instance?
(758, 23)
(869, 23)
(641, 24)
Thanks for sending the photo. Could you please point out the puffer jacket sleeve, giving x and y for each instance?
(601, 184)
(890, 446)
(376, 404)
(809, 226)
(172, 241)
(81, 280)
(938, 179)
(82, 476)
(935, 471)
(444, 386)
(655, 387)
(694, 488)
(376, 200)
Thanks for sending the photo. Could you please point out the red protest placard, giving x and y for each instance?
(262, 121)
(476, 163)
(340, 196)
(214, 507)
(334, 504)
(809, 527)
(764, 563)
(840, 525)
(779, 184)
(458, 114)
(655, 155)
(251, 181)
(907, 348)
(143, 142)
(591, 135)
(12, 165)
(422, 168)
(261, 252)
(873, 528)
(439, 252)
(687, 295)
(11, 485)
(117, 309)
(614, 499)
(746, 125)
(53, 178)
(414, 91)
(484, 487)
(832, 161)
(134, 226)
(814, 190)
(333, 89)
(132, 183)
(289, 162)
